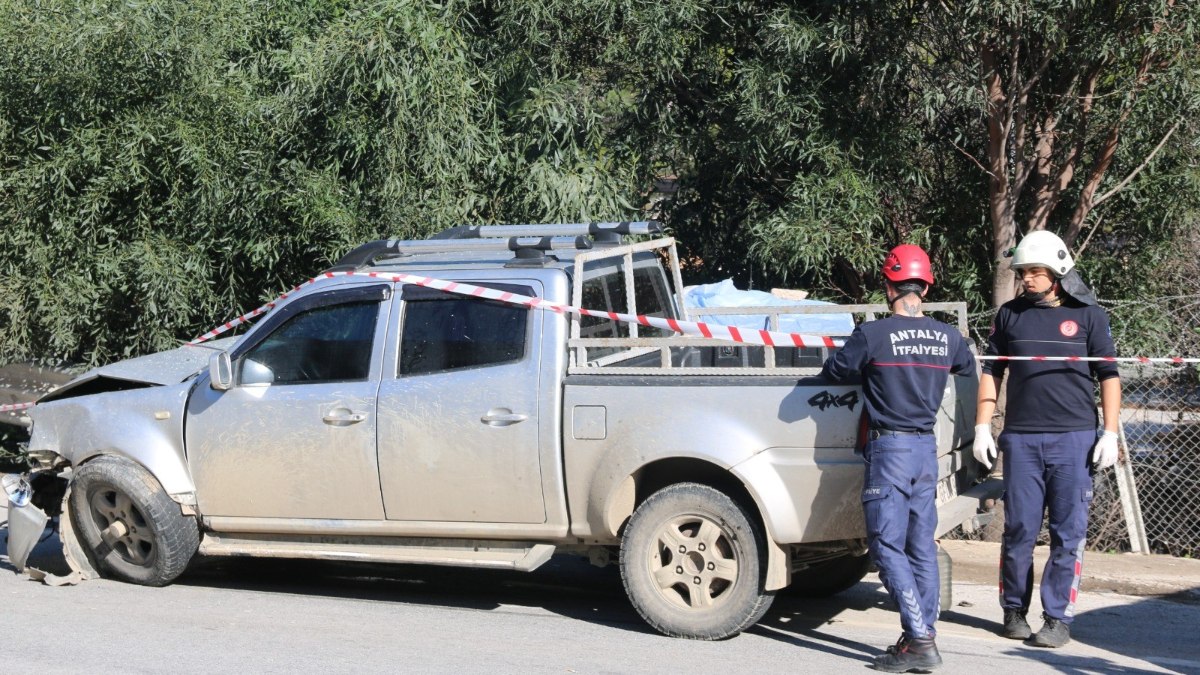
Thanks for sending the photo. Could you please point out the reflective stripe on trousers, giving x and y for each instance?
(899, 484)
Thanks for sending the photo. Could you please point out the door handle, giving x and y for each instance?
(502, 417)
(343, 418)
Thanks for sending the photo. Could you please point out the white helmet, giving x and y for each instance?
(1042, 249)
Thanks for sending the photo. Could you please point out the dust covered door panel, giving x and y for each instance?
(458, 425)
(295, 436)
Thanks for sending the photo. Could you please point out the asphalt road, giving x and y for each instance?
(270, 616)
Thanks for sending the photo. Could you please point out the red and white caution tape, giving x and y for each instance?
(730, 333)
(694, 328)
(1177, 360)
(14, 407)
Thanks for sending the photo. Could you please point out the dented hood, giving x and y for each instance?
(169, 367)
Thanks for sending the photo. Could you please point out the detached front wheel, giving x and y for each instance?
(693, 563)
(133, 531)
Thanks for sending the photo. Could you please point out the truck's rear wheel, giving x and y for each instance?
(693, 563)
(131, 528)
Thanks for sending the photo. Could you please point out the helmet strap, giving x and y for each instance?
(1039, 299)
(904, 289)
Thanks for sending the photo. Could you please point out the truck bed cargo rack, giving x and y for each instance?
(686, 355)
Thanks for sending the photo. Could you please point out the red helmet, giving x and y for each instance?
(906, 262)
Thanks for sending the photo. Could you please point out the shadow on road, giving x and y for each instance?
(798, 621)
(567, 585)
(1147, 629)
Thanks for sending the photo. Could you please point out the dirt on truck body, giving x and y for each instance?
(367, 418)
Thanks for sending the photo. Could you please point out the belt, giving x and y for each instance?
(876, 433)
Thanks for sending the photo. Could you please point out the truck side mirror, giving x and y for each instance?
(220, 371)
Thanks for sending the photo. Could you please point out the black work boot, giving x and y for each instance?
(909, 655)
(1015, 625)
(1054, 633)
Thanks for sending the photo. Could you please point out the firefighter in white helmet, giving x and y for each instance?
(1050, 430)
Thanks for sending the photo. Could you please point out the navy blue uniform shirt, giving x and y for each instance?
(1050, 396)
(905, 362)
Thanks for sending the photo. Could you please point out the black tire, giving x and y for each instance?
(150, 541)
(693, 562)
(830, 577)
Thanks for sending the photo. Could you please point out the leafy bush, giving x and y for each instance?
(12, 457)
(167, 165)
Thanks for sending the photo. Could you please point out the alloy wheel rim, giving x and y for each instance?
(123, 527)
(693, 562)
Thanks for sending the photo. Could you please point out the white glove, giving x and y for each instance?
(985, 446)
(1104, 454)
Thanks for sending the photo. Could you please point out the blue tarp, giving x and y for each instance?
(724, 294)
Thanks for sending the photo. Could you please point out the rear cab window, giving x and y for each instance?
(604, 289)
(444, 332)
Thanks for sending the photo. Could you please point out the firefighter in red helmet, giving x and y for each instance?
(904, 361)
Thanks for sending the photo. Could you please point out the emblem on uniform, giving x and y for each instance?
(1068, 328)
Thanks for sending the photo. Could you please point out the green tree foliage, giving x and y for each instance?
(1059, 105)
(12, 455)
(164, 165)
(168, 163)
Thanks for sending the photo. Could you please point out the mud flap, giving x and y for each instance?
(779, 566)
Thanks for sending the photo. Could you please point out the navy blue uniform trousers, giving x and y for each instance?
(1045, 471)
(898, 505)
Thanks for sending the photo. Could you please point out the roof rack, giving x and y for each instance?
(603, 234)
(530, 250)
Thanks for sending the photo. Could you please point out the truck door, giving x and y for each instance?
(458, 424)
(295, 436)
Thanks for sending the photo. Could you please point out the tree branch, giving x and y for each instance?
(1041, 69)
(1107, 152)
(1109, 149)
(1013, 80)
(1133, 174)
(997, 150)
(1051, 189)
(1022, 167)
(1084, 245)
(1000, 208)
(972, 158)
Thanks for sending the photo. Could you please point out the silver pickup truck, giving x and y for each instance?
(369, 419)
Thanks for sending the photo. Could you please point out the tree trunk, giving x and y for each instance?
(1004, 231)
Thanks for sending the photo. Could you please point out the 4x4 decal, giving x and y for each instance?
(825, 400)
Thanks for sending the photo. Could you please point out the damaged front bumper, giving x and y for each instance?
(27, 519)
(25, 527)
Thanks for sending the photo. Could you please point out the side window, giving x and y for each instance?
(446, 332)
(324, 344)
